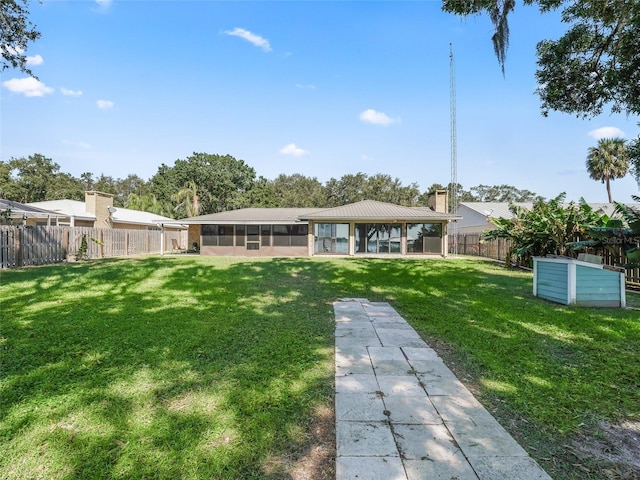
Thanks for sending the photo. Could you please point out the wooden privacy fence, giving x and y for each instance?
(22, 246)
(472, 244)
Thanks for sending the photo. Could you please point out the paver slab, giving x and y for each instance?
(350, 342)
(427, 442)
(411, 410)
(454, 469)
(506, 468)
(365, 439)
(421, 354)
(369, 468)
(400, 385)
(356, 383)
(360, 407)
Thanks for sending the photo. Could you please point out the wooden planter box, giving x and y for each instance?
(576, 282)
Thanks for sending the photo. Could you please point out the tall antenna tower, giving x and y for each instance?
(453, 191)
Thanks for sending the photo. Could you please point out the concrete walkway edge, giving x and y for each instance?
(401, 414)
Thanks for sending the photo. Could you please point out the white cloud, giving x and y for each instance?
(377, 118)
(292, 150)
(28, 86)
(252, 38)
(606, 132)
(103, 3)
(70, 93)
(35, 60)
(105, 104)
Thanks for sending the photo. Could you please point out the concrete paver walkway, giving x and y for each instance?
(401, 414)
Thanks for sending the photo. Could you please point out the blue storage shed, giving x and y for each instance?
(575, 282)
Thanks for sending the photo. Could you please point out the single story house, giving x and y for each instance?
(368, 227)
(476, 216)
(97, 211)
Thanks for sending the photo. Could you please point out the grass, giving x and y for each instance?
(204, 367)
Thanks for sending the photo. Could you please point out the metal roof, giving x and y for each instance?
(364, 210)
(374, 210)
(501, 209)
(17, 209)
(253, 216)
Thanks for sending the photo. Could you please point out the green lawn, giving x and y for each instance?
(204, 367)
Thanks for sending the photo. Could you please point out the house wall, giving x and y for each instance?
(472, 221)
(193, 236)
(300, 251)
(131, 226)
(137, 226)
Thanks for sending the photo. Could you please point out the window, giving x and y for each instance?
(225, 235)
(281, 235)
(209, 235)
(290, 235)
(299, 235)
(424, 238)
(378, 237)
(253, 233)
(265, 234)
(331, 238)
(240, 230)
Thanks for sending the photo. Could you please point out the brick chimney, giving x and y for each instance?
(98, 203)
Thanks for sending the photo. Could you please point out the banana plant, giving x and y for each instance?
(550, 227)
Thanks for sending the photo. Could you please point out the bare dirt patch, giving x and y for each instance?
(617, 444)
(316, 461)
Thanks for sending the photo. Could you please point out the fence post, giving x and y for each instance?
(19, 246)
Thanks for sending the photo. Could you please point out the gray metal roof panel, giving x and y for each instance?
(253, 215)
(374, 210)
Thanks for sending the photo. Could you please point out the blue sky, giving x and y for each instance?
(320, 88)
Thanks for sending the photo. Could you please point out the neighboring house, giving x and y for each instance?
(98, 211)
(476, 215)
(363, 228)
(21, 213)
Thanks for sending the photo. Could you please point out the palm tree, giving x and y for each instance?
(608, 161)
(188, 198)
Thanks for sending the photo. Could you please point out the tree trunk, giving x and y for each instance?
(609, 190)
